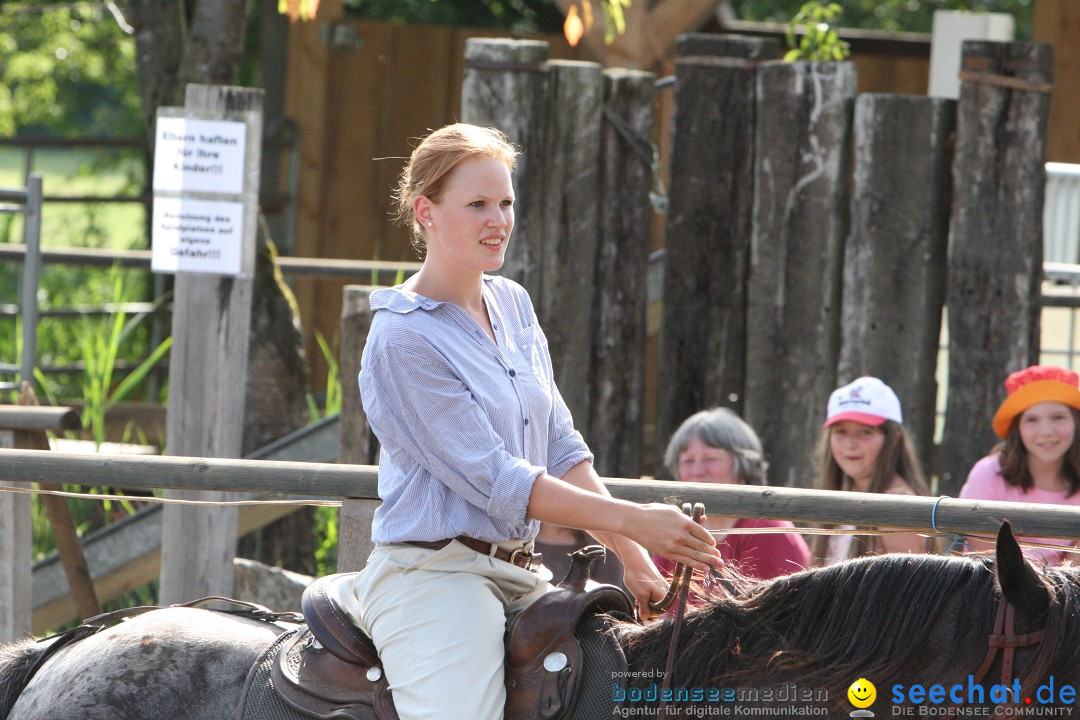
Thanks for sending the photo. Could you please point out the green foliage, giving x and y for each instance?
(614, 18)
(819, 41)
(889, 15)
(332, 402)
(326, 530)
(99, 354)
(66, 70)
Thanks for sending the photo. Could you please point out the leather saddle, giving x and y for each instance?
(330, 669)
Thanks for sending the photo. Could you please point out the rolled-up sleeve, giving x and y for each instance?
(416, 401)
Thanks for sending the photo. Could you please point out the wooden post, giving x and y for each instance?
(707, 251)
(570, 205)
(801, 208)
(358, 444)
(68, 545)
(16, 548)
(1056, 22)
(615, 430)
(208, 372)
(505, 86)
(995, 259)
(894, 266)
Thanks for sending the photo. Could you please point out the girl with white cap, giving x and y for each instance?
(865, 448)
(1039, 461)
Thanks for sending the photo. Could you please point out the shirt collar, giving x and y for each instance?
(399, 300)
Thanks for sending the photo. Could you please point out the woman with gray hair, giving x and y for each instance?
(717, 446)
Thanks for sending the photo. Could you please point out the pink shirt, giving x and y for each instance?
(986, 483)
(764, 556)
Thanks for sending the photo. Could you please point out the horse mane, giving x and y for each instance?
(17, 664)
(868, 617)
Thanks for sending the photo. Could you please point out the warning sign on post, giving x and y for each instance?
(199, 155)
(197, 236)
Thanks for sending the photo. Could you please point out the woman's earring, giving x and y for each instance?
(430, 224)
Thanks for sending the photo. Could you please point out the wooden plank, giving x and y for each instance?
(506, 86)
(1058, 22)
(208, 373)
(125, 557)
(995, 254)
(617, 378)
(895, 256)
(801, 209)
(566, 251)
(709, 227)
(68, 545)
(308, 95)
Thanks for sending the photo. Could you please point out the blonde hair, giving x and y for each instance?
(433, 161)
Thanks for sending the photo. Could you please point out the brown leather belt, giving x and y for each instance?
(521, 557)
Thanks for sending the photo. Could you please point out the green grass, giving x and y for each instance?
(75, 172)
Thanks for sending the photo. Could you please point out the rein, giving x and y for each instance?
(680, 588)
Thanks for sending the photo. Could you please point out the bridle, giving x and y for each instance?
(1004, 639)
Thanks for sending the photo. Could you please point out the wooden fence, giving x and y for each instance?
(24, 468)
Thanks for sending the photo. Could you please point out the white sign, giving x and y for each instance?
(199, 155)
(197, 236)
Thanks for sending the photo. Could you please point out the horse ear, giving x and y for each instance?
(1020, 584)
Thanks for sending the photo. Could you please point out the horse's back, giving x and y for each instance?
(177, 663)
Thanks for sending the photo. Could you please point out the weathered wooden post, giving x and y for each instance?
(707, 250)
(894, 265)
(211, 322)
(358, 443)
(505, 86)
(995, 259)
(616, 387)
(16, 550)
(570, 225)
(801, 208)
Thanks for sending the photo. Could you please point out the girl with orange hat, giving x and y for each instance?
(1039, 460)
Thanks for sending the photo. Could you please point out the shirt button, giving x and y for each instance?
(513, 373)
(526, 421)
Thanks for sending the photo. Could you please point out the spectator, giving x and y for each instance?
(1038, 460)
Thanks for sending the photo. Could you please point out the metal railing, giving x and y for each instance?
(27, 201)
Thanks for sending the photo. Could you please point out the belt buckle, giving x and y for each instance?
(533, 559)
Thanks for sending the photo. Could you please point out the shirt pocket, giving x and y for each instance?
(532, 353)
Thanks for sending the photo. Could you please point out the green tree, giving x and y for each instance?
(66, 70)
(890, 15)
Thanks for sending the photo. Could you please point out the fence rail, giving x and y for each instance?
(949, 515)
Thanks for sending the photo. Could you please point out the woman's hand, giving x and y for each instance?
(666, 531)
(644, 582)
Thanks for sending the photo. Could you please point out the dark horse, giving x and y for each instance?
(904, 622)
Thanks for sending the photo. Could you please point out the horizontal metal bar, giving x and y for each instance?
(11, 195)
(130, 308)
(355, 269)
(360, 481)
(35, 143)
(29, 417)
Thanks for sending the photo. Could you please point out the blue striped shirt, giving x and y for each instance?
(466, 425)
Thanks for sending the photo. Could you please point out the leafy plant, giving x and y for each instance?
(99, 354)
(332, 401)
(820, 40)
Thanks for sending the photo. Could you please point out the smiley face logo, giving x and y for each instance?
(862, 693)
